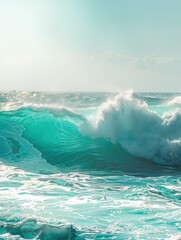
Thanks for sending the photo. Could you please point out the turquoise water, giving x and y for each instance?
(90, 165)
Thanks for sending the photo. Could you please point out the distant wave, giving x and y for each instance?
(176, 101)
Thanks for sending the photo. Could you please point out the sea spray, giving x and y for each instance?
(142, 132)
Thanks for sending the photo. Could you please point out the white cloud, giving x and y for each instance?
(150, 61)
(72, 72)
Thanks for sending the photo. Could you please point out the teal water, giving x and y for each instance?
(90, 165)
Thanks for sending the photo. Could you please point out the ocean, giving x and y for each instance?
(83, 165)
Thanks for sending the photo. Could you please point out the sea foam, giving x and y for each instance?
(142, 132)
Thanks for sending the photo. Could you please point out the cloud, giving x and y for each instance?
(147, 62)
(88, 72)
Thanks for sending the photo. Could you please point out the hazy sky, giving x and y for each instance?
(91, 45)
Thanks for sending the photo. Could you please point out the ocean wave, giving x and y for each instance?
(128, 121)
(123, 135)
(176, 101)
(57, 111)
(31, 229)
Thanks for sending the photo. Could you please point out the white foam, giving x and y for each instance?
(56, 110)
(142, 132)
(176, 101)
(177, 237)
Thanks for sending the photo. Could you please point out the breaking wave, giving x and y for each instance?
(144, 133)
(122, 133)
(176, 101)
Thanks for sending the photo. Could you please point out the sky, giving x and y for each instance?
(90, 45)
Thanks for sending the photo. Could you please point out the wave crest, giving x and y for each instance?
(142, 132)
(176, 101)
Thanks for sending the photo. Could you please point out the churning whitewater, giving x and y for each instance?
(90, 165)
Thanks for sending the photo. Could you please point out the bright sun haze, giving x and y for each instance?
(90, 45)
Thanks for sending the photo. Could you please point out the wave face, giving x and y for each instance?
(59, 133)
(89, 165)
